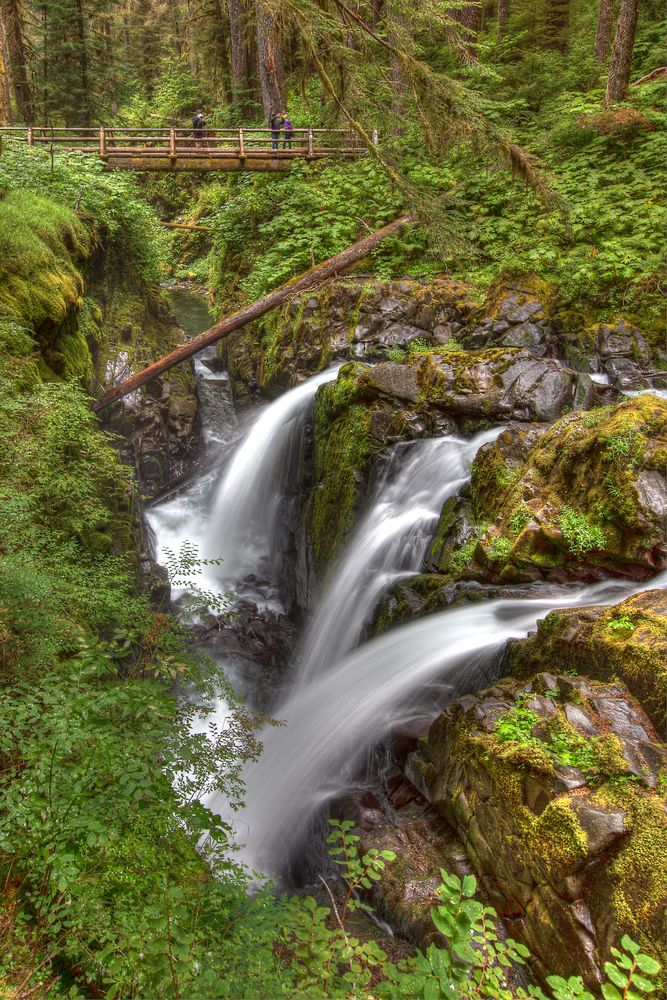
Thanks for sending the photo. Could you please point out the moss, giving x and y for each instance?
(344, 451)
(440, 372)
(40, 243)
(578, 482)
(557, 839)
(583, 640)
(638, 873)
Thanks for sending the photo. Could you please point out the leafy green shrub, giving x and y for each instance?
(621, 624)
(579, 532)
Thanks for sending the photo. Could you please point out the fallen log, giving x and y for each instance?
(309, 280)
(183, 225)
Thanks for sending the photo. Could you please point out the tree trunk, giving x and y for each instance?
(556, 24)
(5, 96)
(240, 69)
(270, 60)
(83, 65)
(11, 15)
(311, 279)
(465, 40)
(621, 56)
(503, 14)
(224, 68)
(603, 30)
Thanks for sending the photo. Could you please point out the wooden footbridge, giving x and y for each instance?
(181, 149)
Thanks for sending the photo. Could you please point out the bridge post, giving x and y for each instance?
(241, 145)
(376, 136)
(103, 142)
(310, 142)
(30, 137)
(172, 142)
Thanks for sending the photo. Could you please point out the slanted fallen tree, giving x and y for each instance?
(308, 281)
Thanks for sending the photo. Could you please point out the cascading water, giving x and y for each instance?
(330, 722)
(391, 542)
(243, 519)
(344, 706)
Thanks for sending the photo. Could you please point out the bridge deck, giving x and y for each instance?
(181, 149)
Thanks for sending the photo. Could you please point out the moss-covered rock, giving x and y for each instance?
(353, 425)
(532, 775)
(583, 497)
(351, 318)
(628, 640)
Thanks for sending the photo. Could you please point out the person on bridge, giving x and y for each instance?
(288, 129)
(276, 123)
(198, 126)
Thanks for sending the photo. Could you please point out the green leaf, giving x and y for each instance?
(647, 964)
(609, 992)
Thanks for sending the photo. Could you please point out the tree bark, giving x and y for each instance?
(311, 279)
(396, 70)
(240, 69)
(464, 41)
(5, 94)
(621, 56)
(603, 30)
(83, 64)
(503, 14)
(270, 57)
(11, 15)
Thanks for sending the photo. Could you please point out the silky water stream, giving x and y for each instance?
(344, 697)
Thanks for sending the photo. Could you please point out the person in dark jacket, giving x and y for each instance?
(288, 130)
(276, 123)
(198, 126)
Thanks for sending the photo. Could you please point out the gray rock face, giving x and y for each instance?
(160, 434)
(652, 491)
(521, 320)
(543, 835)
(507, 384)
(396, 380)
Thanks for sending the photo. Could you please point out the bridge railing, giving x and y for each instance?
(236, 142)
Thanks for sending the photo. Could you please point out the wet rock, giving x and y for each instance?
(498, 384)
(534, 489)
(590, 640)
(603, 827)
(545, 836)
(395, 380)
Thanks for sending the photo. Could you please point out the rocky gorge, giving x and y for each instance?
(550, 784)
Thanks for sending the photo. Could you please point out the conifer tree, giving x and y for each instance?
(18, 50)
(621, 56)
(604, 25)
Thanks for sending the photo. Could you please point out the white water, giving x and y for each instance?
(334, 719)
(242, 523)
(391, 541)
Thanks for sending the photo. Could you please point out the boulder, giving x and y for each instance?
(570, 843)
(580, 499)
(628, 641)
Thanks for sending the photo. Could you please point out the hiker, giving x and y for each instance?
(276, 122)
(288, 129)
(198, 126)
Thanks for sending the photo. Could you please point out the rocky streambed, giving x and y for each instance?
(549, 784)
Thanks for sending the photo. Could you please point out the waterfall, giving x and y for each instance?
(332, 721)
(245, 506)
(391, 542)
